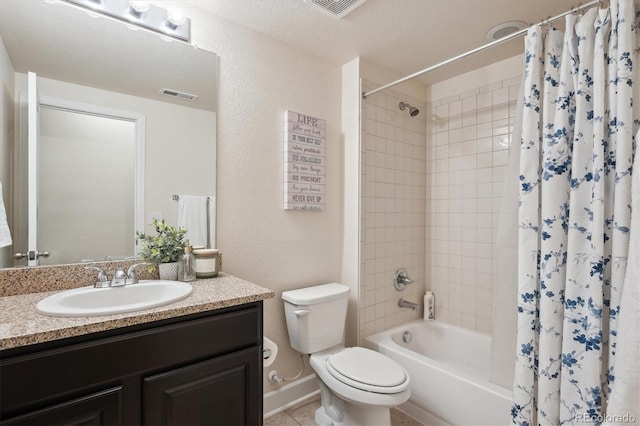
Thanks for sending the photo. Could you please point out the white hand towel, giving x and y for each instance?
(624, 401)
(192, 215)
(5, 233)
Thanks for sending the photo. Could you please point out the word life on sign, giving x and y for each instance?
(304, 162)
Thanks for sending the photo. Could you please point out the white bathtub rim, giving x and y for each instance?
(377, 338)
(435, 380)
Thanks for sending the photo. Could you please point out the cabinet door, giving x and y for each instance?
(225, 390)
(102, 408)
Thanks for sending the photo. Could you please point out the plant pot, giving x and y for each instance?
(168, 271)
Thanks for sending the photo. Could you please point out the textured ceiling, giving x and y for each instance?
(402, 35)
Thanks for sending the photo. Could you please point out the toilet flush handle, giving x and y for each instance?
(302, 312)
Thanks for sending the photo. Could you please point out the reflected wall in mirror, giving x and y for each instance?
(102, 63)
(102, 149)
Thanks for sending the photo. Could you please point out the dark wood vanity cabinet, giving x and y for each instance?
(201, 369)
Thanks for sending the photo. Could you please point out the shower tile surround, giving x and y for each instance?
(393, 172)
(468, 140)
(431, 195)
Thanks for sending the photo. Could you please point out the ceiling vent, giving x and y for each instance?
(505, 29)
(337, 8)
(178, 94)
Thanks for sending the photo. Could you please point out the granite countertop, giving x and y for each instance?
(22, 325)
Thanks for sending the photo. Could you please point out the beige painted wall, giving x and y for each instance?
(260, 78)
(351, 124)
(6, 137)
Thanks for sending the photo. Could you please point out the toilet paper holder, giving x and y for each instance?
(269, 351)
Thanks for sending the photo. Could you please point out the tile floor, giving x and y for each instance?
(302, 415)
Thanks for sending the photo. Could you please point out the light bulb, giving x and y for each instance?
(138, 7)
(94, 4)
(175, 18)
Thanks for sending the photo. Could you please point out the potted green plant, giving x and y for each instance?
(162, 250)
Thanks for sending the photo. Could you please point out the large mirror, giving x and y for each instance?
(113, 151)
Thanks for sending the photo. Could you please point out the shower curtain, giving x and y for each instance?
(576, 156)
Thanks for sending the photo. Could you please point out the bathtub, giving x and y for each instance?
(449, 371)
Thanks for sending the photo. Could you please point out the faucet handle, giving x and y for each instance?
(401, 279)
(131, 273)
(103, 279)
(405, 280)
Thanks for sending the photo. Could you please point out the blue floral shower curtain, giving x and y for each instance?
(577, 147)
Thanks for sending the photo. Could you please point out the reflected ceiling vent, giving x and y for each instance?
(178, 94)
(337, 8)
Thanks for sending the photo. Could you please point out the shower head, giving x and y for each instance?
(413, 111)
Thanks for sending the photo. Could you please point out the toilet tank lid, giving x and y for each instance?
(316, 294)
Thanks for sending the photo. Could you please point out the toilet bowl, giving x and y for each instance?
(358, 386)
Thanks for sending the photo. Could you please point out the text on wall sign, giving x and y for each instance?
(304, 162)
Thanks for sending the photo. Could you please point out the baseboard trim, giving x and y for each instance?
(289, 395)
(425, 417)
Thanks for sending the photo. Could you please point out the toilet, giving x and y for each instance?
(358, 386)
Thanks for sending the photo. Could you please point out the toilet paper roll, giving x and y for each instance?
(269, 351)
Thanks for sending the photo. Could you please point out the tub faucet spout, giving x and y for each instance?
(406, 304)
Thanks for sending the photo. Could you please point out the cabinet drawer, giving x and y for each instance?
(101, 408)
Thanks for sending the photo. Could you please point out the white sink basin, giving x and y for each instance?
(90, 301)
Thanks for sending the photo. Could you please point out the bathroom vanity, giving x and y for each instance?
(196, 361)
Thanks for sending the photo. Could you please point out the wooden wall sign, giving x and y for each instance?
(304, 162)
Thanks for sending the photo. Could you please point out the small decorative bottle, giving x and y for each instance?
(186, 267)
(429, 306)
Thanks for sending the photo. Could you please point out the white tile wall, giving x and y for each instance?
(393, 208)
(431, 193)
(468, 140)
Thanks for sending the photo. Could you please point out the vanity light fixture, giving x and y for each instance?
(172, 23)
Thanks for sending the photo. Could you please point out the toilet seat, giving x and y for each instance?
(367, 370)
(356, 392)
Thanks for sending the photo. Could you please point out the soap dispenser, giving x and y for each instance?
(186, 266)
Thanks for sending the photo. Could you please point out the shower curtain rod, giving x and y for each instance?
(477, 49)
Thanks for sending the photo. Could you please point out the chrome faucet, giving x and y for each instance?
(406, 304)
(119, 279)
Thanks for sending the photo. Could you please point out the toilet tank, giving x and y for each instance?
(316, 316)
